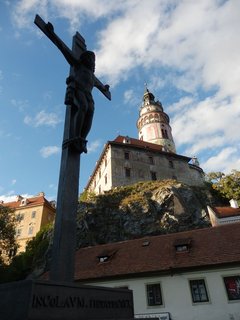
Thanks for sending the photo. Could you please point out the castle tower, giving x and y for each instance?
(153, 123)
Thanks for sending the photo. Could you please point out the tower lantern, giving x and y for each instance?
(153, 123)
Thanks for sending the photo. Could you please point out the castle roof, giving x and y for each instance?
(164, 254)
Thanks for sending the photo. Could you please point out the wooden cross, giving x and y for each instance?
(64, 240)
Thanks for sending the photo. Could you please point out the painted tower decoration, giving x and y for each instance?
(153, 123)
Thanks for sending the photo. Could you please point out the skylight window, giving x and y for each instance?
(106, 255)
(103, 259)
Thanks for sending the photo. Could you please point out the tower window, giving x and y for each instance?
(127, 172)
(105, 178)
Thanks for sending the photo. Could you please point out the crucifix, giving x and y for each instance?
(78, 120)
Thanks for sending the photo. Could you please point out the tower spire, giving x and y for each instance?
(153, 123)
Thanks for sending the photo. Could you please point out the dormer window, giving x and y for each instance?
(23, 202)
(182, 245)
(127, 140)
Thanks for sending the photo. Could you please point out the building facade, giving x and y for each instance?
(188, 275)
(32, 214)
(125, 161)
(153, 156)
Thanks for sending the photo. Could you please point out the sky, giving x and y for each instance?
(186, 51)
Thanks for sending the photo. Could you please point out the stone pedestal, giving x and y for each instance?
(47, 300)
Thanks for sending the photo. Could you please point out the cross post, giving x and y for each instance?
(78, 119)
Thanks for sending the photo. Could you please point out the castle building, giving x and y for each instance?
(153, 156)
(32, 214)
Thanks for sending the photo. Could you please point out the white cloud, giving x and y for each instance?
(12, 196)
(94, 146)
(197, 38)
(209, 123)
(13, 182)
(187, 44)
(130, 97)
(42, 119)
(225, 161)
(21, 105)
(49, 151)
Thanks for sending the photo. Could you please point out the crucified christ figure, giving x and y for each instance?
(79, 87)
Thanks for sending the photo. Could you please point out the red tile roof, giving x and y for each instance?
(224, 212)
(34, 201)
(210, 247)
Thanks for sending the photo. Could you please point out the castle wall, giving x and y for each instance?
(125, 165)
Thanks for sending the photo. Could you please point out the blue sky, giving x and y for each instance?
(187, 51)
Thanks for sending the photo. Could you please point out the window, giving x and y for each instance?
(30, 230)
(99, 189)
(154, 295)
(141, 173)
(99, 174)
(198, 291)
(126, 155)
(232, 285)
(127, 172)
(105, 162)
(151, 160)
(20, 217)
(170, 162)
(153, 175)
(105, 178)
(18, 232)
(33, 214)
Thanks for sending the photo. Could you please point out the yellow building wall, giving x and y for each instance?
(31, 220)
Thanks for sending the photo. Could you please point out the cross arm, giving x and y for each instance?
(103, 88)
(48, 30)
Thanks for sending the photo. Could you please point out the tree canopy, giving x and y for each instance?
(7, 233)
(227, 184)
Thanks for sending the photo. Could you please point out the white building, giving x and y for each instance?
(190, 275)
(221, 215)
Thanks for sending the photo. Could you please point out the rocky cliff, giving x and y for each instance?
(142, 209)
(145, 208)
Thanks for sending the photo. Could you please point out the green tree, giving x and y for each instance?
(8, 243)
(34, 256)
(228, 185)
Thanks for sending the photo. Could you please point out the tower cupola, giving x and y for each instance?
(153, 123)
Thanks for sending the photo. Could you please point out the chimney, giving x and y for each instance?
(233, 203)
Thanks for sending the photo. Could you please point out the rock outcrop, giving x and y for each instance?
(145, 208)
